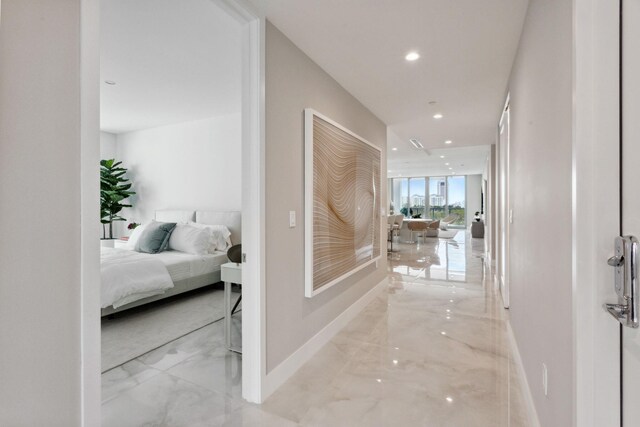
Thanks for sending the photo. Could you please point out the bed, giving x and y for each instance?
(168, 273)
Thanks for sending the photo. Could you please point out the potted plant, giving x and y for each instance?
(114, 189)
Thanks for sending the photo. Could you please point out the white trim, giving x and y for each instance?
(289, 366)
(532, 415)
(595, 173)
(253, 199)
(90, 401)
(309, 291)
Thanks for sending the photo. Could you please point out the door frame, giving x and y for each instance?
(253, 203)
(504, 204)
(595, 222)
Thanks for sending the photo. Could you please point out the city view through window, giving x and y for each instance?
(429, 197)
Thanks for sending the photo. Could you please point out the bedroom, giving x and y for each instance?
(171, 104)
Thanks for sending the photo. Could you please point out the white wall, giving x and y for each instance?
(541, 196)
(194, 165)
(294, 82)
(108, 147)
(44, 218)
(473, 195)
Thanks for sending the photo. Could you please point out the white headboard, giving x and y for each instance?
(175, 216)
(232, 219)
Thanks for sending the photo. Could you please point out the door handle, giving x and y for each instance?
(625, 262)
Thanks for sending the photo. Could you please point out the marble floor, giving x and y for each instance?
(432, 350)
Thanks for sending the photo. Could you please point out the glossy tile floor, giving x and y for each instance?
(432, 350)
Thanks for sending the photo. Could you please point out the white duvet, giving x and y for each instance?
(128, 276)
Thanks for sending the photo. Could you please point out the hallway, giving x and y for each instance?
(432, 351)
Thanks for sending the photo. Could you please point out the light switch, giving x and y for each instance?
(292, 219)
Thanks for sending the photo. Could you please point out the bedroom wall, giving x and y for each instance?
(192, 165)
(541, 195)
(108, 147)
(294, 82)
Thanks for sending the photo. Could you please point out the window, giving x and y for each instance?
(456, 198)
(437, 197)
(432, 197)
(416, 197)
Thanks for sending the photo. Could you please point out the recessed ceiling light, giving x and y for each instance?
(394, 149)
(443, 333)
(412, 56)
(450, 169)
(442, 157)
(448, 141)
(110, 82)
(449, 399)
(438, 116)
(446, 164)
(389, 171)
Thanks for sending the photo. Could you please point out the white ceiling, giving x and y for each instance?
(467, 48)
(172, 61)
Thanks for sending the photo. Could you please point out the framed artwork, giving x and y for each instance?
(342, 203)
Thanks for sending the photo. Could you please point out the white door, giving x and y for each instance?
(503, 183)
(630, 145)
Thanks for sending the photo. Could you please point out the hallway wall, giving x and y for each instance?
(294, 82)
(48, 220)
(540, 191)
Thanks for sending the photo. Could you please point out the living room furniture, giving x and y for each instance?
(477, 229)
(230, 273)
(433, 229)
(448, 220)
(417, 227)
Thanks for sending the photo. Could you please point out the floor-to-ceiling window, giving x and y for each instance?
(417, 199)
(456, 198)
(433, 197)
(437, 197)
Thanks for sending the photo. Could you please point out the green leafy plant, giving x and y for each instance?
(114, 189)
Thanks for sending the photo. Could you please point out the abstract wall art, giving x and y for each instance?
(342, 203)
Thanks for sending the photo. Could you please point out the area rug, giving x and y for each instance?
(131, 334)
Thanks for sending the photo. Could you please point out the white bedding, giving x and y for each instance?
(128, 276)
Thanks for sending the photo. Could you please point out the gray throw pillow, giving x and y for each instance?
(155, 238)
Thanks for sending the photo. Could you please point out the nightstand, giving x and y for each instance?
(229, 273)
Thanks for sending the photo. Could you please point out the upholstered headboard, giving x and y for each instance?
(175, 216)
(232, 219)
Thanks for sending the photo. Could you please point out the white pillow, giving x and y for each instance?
(189, 239)
(219, 236)
(135, 235)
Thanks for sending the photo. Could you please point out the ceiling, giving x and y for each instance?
(172, 61)
(467, 48)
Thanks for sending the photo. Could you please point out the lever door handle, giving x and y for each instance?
(616, 261)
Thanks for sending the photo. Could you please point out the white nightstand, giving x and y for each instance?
(229, 273)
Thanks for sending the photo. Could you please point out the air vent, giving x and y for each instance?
(416, 143)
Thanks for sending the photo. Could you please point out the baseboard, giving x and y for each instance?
(289, 366)
(532, 414)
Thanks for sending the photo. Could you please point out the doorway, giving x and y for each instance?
(504, 206)
(252, 163)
